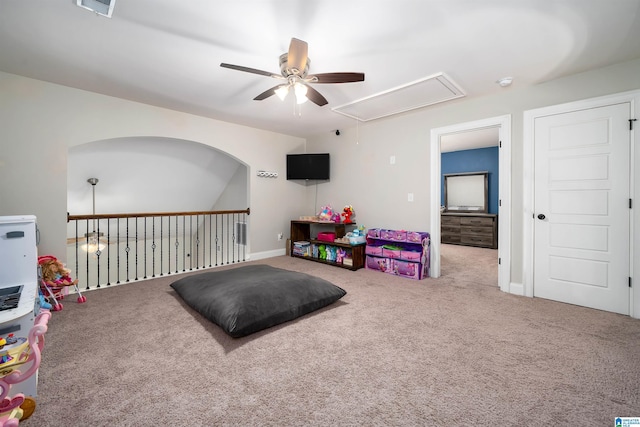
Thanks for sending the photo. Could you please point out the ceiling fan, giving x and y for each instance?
(294, 71)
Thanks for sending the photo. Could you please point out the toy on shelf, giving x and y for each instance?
(327, 214)
(347, 213)
(55, 279)
(322, 250)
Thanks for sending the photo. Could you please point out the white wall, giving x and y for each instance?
(361, 174)
(233, 195)
(40, 121)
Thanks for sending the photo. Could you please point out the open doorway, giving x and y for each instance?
(503, 124)
(469, 212)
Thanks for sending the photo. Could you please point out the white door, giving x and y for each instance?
(581, 208)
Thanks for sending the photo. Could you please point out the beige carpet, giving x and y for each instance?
(449, 352)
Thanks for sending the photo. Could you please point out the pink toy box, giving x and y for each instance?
(373, 250)
(410, 256)
(327, 236)
(391, 253)
(406, 269)
(380, 264)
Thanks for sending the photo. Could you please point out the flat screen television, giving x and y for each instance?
(308, 166)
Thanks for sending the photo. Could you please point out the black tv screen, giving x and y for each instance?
(308, 166)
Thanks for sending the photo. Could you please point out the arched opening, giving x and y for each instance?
(145, 182)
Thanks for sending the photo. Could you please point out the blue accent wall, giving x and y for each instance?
(477, 160)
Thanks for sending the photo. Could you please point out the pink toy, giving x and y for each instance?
(325, 214)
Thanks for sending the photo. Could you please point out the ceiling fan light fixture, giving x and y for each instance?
(282, 92)
(301, 93)
(93, 243)
(505, 81)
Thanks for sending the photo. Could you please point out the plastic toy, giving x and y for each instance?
(43, 301)
(322, 250)
(347, 213)
(331, 253)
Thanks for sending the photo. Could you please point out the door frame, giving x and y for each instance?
(504, 204)
(528, 223)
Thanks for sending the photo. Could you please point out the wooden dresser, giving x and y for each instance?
(469, 229)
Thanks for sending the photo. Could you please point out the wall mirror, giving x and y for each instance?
(466, 192)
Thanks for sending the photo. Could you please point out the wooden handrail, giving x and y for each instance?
(139, 215)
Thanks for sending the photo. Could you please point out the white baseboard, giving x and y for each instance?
(516, 288)
(266, 254)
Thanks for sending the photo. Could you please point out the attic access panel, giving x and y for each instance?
(100, 7)
(420, 93)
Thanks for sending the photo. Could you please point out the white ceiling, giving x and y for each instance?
(479, 138)
(168, 52)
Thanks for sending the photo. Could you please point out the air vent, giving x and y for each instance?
(420, 93)
(101, 7)
(241, 233)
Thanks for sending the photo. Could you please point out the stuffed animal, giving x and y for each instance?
(55, 274)
(325, 214)
(347, 213)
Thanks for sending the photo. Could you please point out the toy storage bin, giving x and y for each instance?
(406, 269)
(373, 250)
(399, 235)
(386, 234)
(414, 236)
(391, 253)
(357, 240)
(410, 256)
(407, 253)
(327, 236)
(379, 264)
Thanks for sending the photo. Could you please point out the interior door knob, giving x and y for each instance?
(541, 216)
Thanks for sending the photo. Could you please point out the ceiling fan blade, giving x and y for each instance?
(297, 57)
(269, 92)
(336, 77)
(315, 97)
(250, 70)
